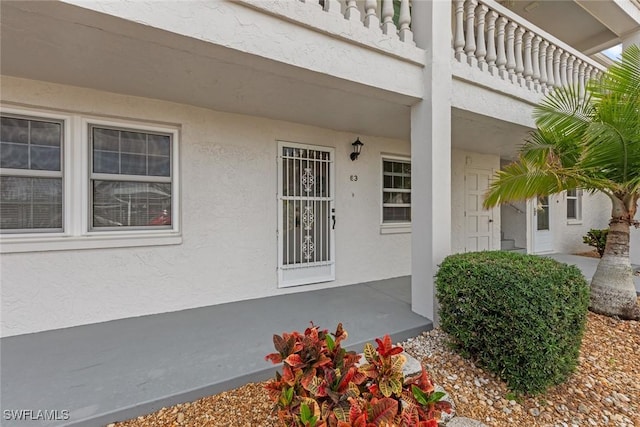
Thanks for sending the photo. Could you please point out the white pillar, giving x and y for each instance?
(431, 156)
(629, 39)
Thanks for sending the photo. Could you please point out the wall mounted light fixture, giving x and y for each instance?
(357, 148)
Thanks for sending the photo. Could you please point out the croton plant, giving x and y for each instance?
(323, 385)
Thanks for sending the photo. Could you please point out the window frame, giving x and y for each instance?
(76, 160)
(578, 206)
(101, 176)
(398, 226)
(43, 116)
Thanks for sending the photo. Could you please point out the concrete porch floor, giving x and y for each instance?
(121, 369)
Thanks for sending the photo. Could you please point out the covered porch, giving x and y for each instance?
(110, 371)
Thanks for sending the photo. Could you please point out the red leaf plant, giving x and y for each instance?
(323, 385)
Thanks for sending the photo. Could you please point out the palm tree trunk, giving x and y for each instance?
(612, 290)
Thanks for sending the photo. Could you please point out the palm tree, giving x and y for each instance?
(589, 140)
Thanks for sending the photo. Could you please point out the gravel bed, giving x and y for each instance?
(604, 391)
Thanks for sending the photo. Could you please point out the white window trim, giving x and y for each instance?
(578, 198)
(75, 175)
(391, 227)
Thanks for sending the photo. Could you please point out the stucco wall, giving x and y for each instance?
(596, 211)
(461, 160)
(228, 180)
(635, 246)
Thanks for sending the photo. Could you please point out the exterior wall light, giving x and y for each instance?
(357, 148)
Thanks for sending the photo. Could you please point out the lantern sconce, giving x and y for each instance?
(357, 148)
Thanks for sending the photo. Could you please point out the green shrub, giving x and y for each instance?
(597, 239)
(520, 316)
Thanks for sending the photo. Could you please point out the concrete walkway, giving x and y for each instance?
(588, 266)
(121, 369)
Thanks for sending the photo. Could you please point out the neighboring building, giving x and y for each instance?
(160, 156)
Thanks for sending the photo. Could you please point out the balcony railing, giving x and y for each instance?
(378, 20)
(490, 37)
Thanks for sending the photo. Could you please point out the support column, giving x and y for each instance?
(630, 39)
(431, 156)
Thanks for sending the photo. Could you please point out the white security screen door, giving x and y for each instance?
(478, 221)
(306, 214)
(543, 238)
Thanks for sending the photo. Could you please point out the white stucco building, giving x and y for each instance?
(161, 156)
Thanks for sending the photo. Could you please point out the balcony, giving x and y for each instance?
(270, 58)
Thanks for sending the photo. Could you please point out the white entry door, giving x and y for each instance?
(478, 221)
(542, 236)
(306, 214)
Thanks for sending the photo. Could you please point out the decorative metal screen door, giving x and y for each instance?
(306, 214)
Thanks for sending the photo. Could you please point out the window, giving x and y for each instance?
(130, 179)
(574, 204)
(73, 182)
(396, 191)
(30, 174)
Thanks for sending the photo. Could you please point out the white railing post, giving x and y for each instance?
(528, 63)
(511, 58)
(388, 27)
(333, 6)
(535, 56)
(543, 63)
(491, 40)
(371, 19)
(563, 68)
(550, 78)
(405, 22)
(570, 62)
(556, 67)
(352, 13)
(576, 73)
(458, 38)
(518, 51)
(581, 79)
(481, 48)
(501, 60)
(470, 45)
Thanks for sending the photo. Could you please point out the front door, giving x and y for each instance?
(478, 221)
(542, 238)
(306, 214)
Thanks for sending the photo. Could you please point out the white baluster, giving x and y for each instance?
(491, 40)
(556, 67)
(388, 27)
(333, 7)
(587, 76)
(352, 13)
(458, 38)
(501, 60)
(470, 38)
(550, 78)
(511, 57)
(528, 65)
(535, 56)
(481, 48)
(581, 79)
(371, 19)
(518, 52)
(570, 62)
(563, 68)
(576, 71)
(406, 35)
(543, 63)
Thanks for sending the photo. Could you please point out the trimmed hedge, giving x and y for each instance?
(520, 316)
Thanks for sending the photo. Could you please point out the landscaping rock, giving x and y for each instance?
(465, 422)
